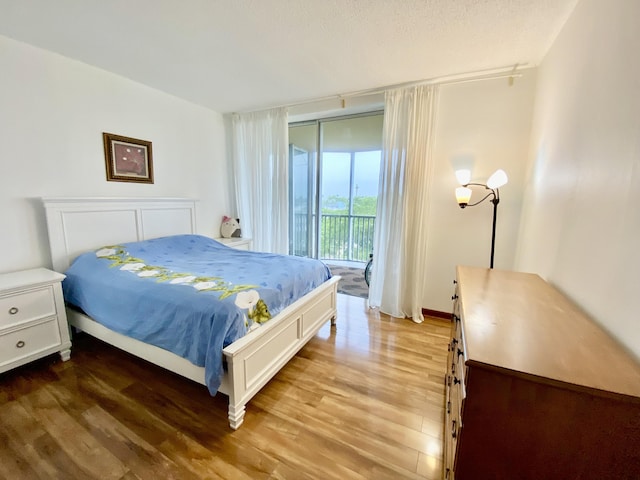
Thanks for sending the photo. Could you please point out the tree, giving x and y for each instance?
(339, 205)
(365, 206)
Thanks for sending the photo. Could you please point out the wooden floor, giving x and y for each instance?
(362, 400)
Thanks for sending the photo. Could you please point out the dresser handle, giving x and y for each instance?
(460, 352)
(454, 297)
(13, 310)
(456, 381)
(449, 407)
(20, 344)
(453, 429)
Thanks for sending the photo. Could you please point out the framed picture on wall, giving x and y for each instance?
(127, 159)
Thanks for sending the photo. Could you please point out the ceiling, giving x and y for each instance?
(241, 55)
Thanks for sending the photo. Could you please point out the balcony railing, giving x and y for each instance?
(342, 237)
(346, 237)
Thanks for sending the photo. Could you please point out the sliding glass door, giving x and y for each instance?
(333, 194)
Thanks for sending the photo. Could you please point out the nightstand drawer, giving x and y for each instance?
(26, 306)
(29, 341)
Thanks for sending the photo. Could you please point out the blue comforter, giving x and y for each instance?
(187, 294)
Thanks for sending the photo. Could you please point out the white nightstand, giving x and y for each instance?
(236, 242)
(33, 321)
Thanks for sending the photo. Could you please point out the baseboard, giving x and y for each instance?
(436, 313)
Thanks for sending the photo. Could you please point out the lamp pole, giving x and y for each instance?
(495, 200)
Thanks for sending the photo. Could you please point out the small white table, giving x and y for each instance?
(33, 321)
(238, 243)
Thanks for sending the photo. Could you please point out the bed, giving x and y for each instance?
(80, 225)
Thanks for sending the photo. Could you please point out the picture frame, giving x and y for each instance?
(127, 159)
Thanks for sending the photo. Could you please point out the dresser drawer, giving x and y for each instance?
(451, 433)
(29, 341)
(26, 306)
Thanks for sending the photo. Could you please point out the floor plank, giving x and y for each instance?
(362, 400)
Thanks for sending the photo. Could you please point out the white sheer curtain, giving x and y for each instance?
(260, 156)
(401, 234)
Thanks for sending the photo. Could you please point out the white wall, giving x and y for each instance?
(486, 123)
(53, 111)
(581, 223)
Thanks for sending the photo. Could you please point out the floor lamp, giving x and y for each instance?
(463, 196)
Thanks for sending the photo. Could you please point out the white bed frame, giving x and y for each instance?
(77, 225)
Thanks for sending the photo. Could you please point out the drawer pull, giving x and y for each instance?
(13, 310)
(20, 344)
(456, 381)
(449, 407)
(460, 352)
(453, 429)
(454, 297)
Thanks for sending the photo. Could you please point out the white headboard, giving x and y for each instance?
(77, 225)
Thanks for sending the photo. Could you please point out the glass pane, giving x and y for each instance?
(300, 198)
(302, 184)
(336, 181)
(366, 176)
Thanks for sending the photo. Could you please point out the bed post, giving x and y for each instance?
(236, 415)
(236, 394)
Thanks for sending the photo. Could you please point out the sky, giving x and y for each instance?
(336, 174)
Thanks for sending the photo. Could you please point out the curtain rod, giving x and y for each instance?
(510, 72)
(503, 72)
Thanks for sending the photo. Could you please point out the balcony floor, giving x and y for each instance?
(345, 263)
(352, 282)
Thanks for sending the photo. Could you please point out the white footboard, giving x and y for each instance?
(254, 359)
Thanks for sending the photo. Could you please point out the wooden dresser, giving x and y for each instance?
(535, 389)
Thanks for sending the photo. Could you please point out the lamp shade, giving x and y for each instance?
(498, 179)
(463, 176)
(463, 195)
